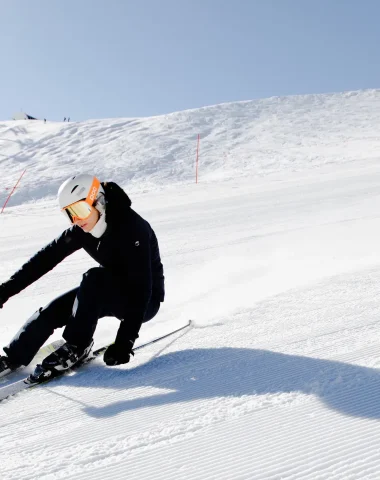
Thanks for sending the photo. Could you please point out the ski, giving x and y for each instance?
(24, 384)
(40, 355)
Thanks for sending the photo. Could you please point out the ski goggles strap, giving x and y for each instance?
(93, 192)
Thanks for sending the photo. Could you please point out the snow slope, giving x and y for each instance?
(279, 266)
(278, 134)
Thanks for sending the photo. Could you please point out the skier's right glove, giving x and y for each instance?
(117, 353)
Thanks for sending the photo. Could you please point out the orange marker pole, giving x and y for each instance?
(197, 160)
(14, 188)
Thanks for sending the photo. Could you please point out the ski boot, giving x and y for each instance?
(6, 366)
(67, 356)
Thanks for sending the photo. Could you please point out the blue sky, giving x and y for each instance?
(123, 58)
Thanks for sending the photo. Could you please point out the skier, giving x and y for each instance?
(128, 284)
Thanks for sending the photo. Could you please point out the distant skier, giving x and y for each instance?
(128, 284)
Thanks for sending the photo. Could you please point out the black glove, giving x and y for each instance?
(116, 354)
(3, 296)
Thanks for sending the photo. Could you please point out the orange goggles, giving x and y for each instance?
(78, 211)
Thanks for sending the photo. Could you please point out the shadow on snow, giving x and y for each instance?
(233, 372)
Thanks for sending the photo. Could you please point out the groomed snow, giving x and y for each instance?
(274, 254)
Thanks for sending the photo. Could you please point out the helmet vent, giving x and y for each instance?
(76, 186)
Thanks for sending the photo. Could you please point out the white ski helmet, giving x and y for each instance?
(81, 187)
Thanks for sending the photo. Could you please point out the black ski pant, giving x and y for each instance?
(78, 310)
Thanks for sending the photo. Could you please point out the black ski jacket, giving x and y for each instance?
(128, 248)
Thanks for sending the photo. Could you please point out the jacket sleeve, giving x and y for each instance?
(42, 262)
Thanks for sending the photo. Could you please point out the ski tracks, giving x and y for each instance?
(233, 397)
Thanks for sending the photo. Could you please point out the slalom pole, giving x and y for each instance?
(196, 161)
(14, 188)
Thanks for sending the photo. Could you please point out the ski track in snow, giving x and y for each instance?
(279, 378)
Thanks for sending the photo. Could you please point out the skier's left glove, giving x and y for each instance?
(3, 296)
(117, 354)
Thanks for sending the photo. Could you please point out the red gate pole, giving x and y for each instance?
(197, 159)
(14, 188)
